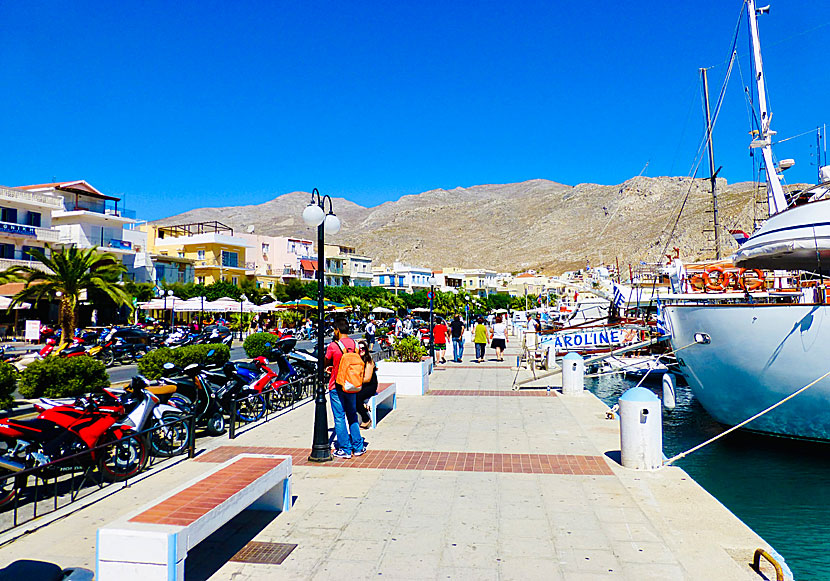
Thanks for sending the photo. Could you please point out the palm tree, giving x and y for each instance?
(69, 272)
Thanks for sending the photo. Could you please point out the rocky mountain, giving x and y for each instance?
(512, 227)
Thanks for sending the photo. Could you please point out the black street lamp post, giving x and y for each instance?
(242, 300)
(315, 215)
(431, 317)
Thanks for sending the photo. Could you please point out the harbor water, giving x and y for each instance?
(780, 488)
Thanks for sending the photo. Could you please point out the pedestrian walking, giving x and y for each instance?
(457, 334)
(343, 404)
(498, 338)
(370, 384)
(371, 330)
(439, 341)
(480, 339)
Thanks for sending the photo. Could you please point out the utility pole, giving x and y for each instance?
(712, 173)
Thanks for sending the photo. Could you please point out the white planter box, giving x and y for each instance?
(410, 378)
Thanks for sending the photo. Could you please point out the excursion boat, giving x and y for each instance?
(742, 351)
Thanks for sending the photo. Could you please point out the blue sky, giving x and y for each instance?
(185, 104)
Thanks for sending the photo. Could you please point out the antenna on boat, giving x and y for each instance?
(712, 172)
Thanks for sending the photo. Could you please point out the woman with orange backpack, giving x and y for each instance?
(346, 379)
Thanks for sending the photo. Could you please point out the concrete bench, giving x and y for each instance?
(152, 543)
(385, 392)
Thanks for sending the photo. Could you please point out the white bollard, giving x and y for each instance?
(669, 398)
(573, 374)
(641, 429)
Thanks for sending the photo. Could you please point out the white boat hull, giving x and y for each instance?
(757, 355)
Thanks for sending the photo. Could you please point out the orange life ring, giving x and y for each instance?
(753, 285)
(717, 283)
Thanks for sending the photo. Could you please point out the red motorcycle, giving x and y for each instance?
(64, 431)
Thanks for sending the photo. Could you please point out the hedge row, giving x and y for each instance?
(61, 377)
(255, 344)
(8, 383)
(151, 365)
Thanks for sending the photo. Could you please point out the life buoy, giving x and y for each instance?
(753, 284)
(718, 282)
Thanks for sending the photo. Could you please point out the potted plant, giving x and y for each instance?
(408, 367)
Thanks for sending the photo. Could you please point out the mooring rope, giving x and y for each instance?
(743, 423)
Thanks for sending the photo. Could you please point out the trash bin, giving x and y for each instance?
(573, 374)
(641, 429)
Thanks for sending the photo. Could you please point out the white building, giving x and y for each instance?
(25, 223)
(88, 218)
(401, 277)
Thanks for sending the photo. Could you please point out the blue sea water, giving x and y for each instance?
(778, 487)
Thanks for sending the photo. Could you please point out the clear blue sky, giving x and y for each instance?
(181, 104)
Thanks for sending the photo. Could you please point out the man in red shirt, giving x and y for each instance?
(343, 404)
(439, 339)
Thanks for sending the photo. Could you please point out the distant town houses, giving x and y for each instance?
(76, 213)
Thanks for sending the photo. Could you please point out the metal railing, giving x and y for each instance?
(245, 410)
(69, 479)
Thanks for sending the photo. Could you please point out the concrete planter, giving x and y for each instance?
(410, 378)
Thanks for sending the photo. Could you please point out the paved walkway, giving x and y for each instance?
(473, 481)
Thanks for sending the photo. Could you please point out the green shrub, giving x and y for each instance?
(254, 344)
(8, 382)
(151, 365)
(63, 377)
(408, 350)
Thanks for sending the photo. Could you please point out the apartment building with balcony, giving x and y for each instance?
(274, 260)
(356, 268)
(217, 254)
(87, 217)
(25, 224)
(401, 277)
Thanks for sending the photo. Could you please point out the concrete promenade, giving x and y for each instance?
(472, 481)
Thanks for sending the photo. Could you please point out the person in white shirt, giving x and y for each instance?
(498, 338)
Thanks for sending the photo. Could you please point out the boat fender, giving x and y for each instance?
(716, 282)
(752, 284)
(669, 399)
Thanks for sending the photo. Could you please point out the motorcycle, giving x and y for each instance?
(114, 349)
(142, 409)
(66, 431)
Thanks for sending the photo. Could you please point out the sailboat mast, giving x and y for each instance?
(775, 193)
(712, 177)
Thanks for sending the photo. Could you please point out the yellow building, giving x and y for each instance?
(218, 254)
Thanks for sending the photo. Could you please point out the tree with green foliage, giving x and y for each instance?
(70, 271)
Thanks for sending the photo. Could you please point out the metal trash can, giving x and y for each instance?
(573, 374)
(641, 429)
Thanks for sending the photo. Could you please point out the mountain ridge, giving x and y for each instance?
(536, 223)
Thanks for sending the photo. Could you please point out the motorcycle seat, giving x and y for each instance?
(249, 365)
(162, 389)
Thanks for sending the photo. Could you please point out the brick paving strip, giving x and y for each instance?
(448, 461)
(492, 392)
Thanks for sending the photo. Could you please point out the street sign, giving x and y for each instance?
(430, 295)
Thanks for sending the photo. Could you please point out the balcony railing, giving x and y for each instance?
(43, 234)
(31, 197)
(6, 263)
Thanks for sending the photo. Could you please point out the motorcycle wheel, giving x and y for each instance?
(170, 439)
(216, 424)
(123, 459)
(9, 484)
(251, 408)
(106, 357)
(182, 402)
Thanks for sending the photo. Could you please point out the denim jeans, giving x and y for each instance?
(343, 409)
(480, 350)
(457, 348)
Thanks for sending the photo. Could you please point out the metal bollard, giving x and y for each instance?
(641, 429)
(573, 374)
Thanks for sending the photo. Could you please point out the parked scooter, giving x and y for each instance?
(64, 431)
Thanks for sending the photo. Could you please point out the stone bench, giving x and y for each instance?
(385, 392)
(152, 543)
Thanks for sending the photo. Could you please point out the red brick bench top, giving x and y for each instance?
(194, 502)
(382, 386)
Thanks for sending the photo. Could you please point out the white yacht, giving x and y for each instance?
(741, 356)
